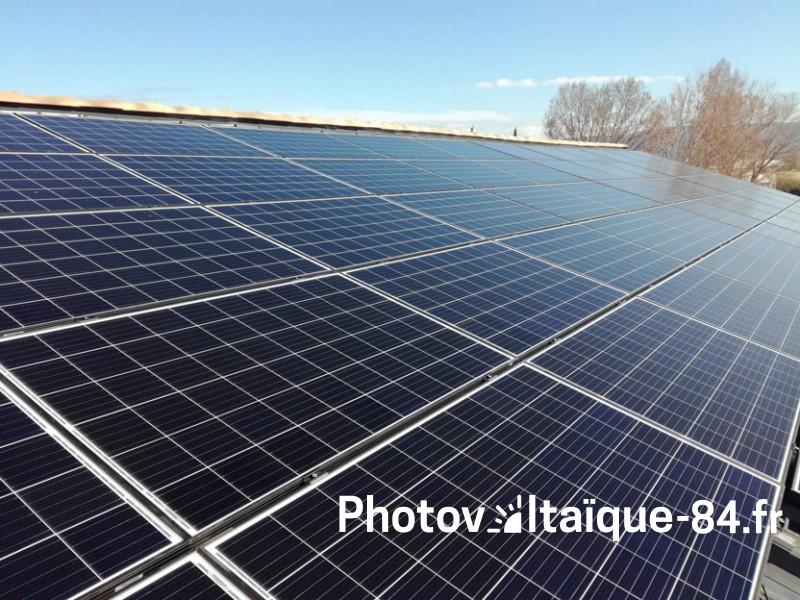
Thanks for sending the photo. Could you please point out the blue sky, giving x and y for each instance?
(434, 63)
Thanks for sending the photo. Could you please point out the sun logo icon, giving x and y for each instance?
(510, 520)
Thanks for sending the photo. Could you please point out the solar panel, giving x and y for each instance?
(463, 149)
(348, 231)
(536, 173)
(395, 146)
(117, 136)
(495, 293)
(17, 135)
(735, 397)
(188, 580)
(473, 174)
(299, 144)
(383, 176)
(32, 183)
(214, 404)
(665, 191)
(220, 180)
(58, 267)
(578, 201)
(480, 212)
(64, 530)
(524, 434)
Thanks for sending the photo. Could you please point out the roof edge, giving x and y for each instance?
(14, 99)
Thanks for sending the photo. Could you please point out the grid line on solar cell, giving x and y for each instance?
(348, 231)
(383, 176)
(737, 398)
(64, 529)
(520, 435)
(42, 183)
(220, 180)
(298, 144)
(59, 267)
(214, 404)
(495, 293)
(117, 136)
(483, 213)
(397, 147)
(17, 135)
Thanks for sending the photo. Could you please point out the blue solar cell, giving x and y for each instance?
(524, 434)
(57, 267)
(383, 176)
(735, 397)
(495, 293)
(480, 212)
(32, 183)
(187, 581)
(214, 404)
(348, 231)
(471, 173)
(64, 530)
(299, 144)
(17, 135)
(221, 180)
(117, 136)
(395, 146)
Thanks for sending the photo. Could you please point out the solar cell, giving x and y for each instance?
(495, 293)
(118, 136)
(299, 144)
(523, 434)
(607, 258)
(60, 182)
(480, 212)
(17, 135)
(577, 201)
(349, 231)
(384, 176)
(473, 174)
(220, 180)
(57, 267)
(730, 395)
(214, 404)
(64, 530)
(186, 581)
(395, 146)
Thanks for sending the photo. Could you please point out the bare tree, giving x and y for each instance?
(616, 111)
(724, 121)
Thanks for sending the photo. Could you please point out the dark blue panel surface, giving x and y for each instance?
(220, 180)
(495, 293)
(216, 403)
(524, 434)
(41, 183)
(384, 176)
(298, 144)
(348, 231)
(117, 136)
(64, 530)
(18, 136)
(480, 212)
(735, 397)
(58, 267)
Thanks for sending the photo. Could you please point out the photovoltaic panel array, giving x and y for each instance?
(523, 434)
(727, 394)
(31, 183)
(495, 293)
(208, 400)
(117, 136)
(214, 404)
(348, 231)
(17, 135)
(59, 267)
(64, 530)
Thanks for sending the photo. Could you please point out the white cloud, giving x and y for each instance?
(556, 81)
